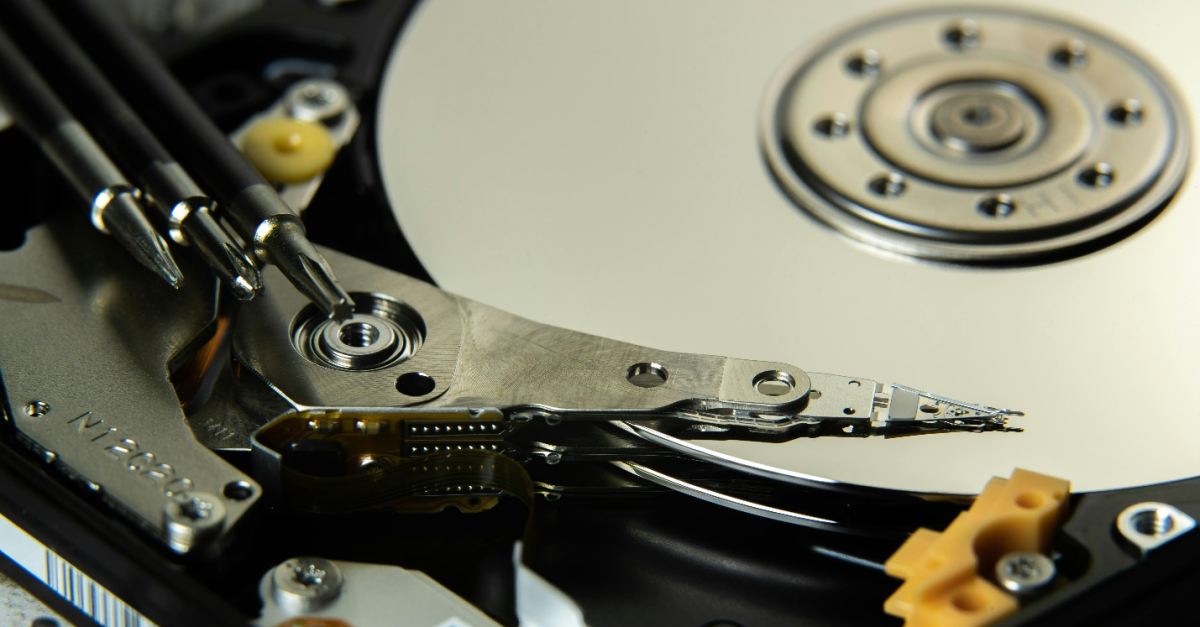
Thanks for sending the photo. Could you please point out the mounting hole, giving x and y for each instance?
(1154, 523)
(415, 384)
(37, 409)
(967, 602)
(1029, 500)
(929, 409)
(358, 334)
(849, 411)
(238, 490)
(774, 383)
(646, 375)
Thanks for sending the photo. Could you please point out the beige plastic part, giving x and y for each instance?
(944, 573)
(287, 150)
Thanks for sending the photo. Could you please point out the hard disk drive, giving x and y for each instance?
(629, 313)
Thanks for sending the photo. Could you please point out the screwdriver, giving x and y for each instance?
(261, 217)
(118, 129)
(115, 204)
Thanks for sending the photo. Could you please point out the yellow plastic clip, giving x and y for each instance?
(945, 583)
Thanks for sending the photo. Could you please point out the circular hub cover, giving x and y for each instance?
(1008, 137)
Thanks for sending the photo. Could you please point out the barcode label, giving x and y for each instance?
(103, 606)
(72, 584)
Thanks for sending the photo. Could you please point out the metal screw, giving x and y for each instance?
(998, 206)
(1150, 525)
(1127, 113)
(37, 409)
(835, 126)
(1024, 572)
(1098, 175)
(317, 100)
(191, 519)
(866, 63)
(303, 584)
(1072, 54)
(888, 185)
(963, 35)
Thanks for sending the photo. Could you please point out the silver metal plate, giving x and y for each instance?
(598, 166)
(84, 351)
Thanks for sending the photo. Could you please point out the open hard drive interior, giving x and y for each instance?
(344, 313)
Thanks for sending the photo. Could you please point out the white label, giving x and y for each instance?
(69, 582)
(454, 622)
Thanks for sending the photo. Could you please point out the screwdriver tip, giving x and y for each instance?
(221, 252)
(158, 258)
(323, 288)
(342, 310)
(124, 219)
(242, 276)
(304, 266)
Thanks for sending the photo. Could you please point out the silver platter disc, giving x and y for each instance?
(978, 136)
(598, 166)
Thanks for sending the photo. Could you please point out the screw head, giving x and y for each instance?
(1072, 54)
(865, 63)
(191, 519)
(833, 126)
(306, 583)
(998, 206)
(1097, 175)
(1023, 572)
(963, 35)
(1128, 112)
(316, 100)
(888, 185)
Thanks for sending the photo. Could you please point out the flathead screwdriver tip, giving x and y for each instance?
(124, 219)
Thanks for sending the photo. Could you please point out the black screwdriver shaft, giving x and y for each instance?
(109, 119)
(258, 213)
(114, 203)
